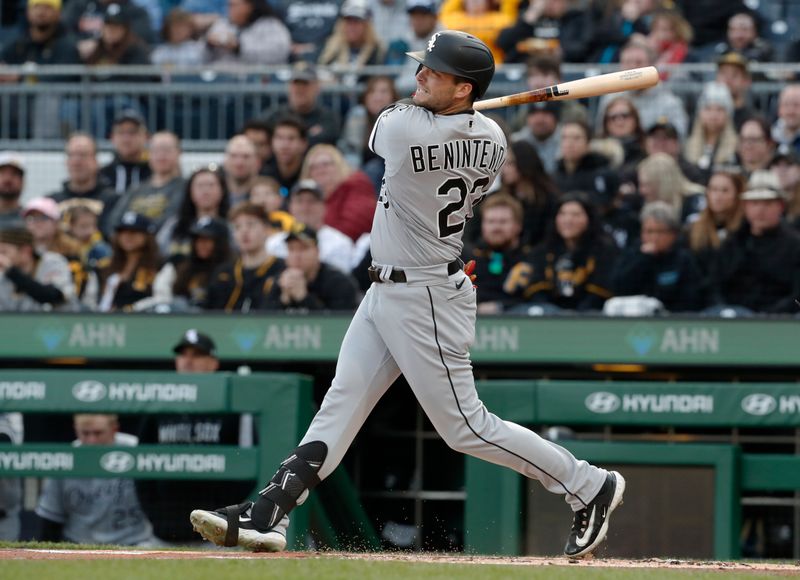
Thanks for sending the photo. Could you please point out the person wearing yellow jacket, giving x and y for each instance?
(482, 18)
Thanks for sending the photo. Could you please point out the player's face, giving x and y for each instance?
(721, 194)
(193, 360)
(499, 229)
(250, 233)
(95, 429)
(571, 221)
(659, 235)
(436, 90)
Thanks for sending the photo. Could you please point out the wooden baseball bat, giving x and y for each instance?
(627, 80)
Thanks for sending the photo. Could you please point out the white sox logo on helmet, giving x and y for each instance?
(432, 41)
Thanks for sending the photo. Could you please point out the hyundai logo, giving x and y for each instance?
(89, 391)
(602, 402)
(117, 461)
(759, 404)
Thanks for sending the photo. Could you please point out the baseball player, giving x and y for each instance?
(418, 316)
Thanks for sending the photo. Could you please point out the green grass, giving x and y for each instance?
(331, 569)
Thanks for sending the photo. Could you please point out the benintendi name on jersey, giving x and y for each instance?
(478, 153)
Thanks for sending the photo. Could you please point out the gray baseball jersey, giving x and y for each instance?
(437, 168)
(97, 511)
(11, 431)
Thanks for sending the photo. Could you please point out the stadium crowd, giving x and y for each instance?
(655, 204)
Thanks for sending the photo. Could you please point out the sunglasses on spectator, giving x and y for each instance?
(619, 116)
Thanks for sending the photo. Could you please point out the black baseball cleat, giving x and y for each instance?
(232, 526)
(590, 525)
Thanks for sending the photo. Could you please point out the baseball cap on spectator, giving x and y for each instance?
(715, 93)
(307, 185)
(763, 185)
(303, 71)
(663, 124)
(54, 4)
(198, 340)
(136, 222)
(44, 205)
(302, 233)
(12, 159)
(356, 9)
(129, 116)
(16, 236)
(428, 6)
(736, 59)
(117, 14)
(209, 227)
(552, 107)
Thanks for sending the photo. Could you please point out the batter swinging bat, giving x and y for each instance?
(627, 80)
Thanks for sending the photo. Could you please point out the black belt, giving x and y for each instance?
(400, 276)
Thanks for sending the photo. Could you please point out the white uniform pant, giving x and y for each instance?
(424, 332)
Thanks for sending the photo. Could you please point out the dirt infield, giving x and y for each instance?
(32, 554)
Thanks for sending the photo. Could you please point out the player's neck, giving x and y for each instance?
(456, 108)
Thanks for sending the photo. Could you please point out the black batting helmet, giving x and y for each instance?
(460, 54)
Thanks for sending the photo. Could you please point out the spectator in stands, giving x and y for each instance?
(85, 184)
(709, 20)
(12, 182)
(126, 284)
(543, 132)
(11, 431)
(310, 23)
(755, 148)
(307, 206)
(484, 19)
(204, 12)
(118, 44)
(615, 22)
(669, 37)
(544, 70)
(621, 123)
(662, 137)
(525, 179)
(786, 130)
(308, 283)
(129, 139)
(659, 267)
(379, 93)
(571, 268)
(243, 285)
(758, 267)
(733, 71)
(179, 45)
(742, 37)
(168, 501)
(289, 146)
(661, 179)
(266, 192)
(260, 133)
(183, 281)
(786, 167)
(423, 17)
(580, 169)
(240, 166)
(350, 198)
(158, 198)
(720, 219)
(353, 41)
(97, 510)
(85, 18)
(652, 103)
(323, 124)
(390, 19)
(29, 281)
(205, 195)
(82, 226)
(502, 261)
(547, 26)
(251, 34)
(713, 139)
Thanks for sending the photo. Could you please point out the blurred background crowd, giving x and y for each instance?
(633, 204)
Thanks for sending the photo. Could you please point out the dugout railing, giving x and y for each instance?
(281, 403)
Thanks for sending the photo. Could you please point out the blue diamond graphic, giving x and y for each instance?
(51, 336)
(246, 338)
(641, 339)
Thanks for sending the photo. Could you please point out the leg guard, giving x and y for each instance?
(289, 487)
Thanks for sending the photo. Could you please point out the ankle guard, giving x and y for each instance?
(289, 487)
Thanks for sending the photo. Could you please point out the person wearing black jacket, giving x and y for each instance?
(659, 267)
(129, 138)
(307, 283)
(244, 285)
(571, 268)
(758, 268)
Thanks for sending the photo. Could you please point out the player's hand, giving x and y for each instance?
(469, 268)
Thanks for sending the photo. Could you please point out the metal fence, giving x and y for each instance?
(205, 106)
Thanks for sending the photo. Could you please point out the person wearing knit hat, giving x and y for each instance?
(713, 140)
